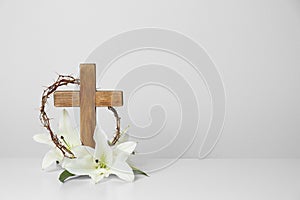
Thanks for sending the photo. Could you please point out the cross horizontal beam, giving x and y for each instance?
(102, 98)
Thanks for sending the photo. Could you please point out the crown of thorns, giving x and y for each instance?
(64, 80)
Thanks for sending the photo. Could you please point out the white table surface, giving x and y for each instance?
(186, 179)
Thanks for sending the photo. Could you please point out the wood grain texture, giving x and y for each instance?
(87, 103)
(66, 99)
(102, 98)
(109, 98)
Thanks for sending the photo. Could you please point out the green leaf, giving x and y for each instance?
(138, 171)
(64, 175)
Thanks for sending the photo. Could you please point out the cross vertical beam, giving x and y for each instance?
(87, 103)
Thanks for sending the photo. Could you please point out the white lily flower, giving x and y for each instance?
(101, 161)
(66, 134)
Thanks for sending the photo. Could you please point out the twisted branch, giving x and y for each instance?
(61, 80)
(117, 135)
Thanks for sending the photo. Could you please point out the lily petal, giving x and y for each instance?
(83, 151)
(79, 166)
(52, 156)
(102, 149)
(43, 138)
(66, 130)
(127, 147)
(123, 171)
(123, 151)
(96, 177)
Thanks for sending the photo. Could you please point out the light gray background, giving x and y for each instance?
(254, 44)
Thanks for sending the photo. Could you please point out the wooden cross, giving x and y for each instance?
(88, 98)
